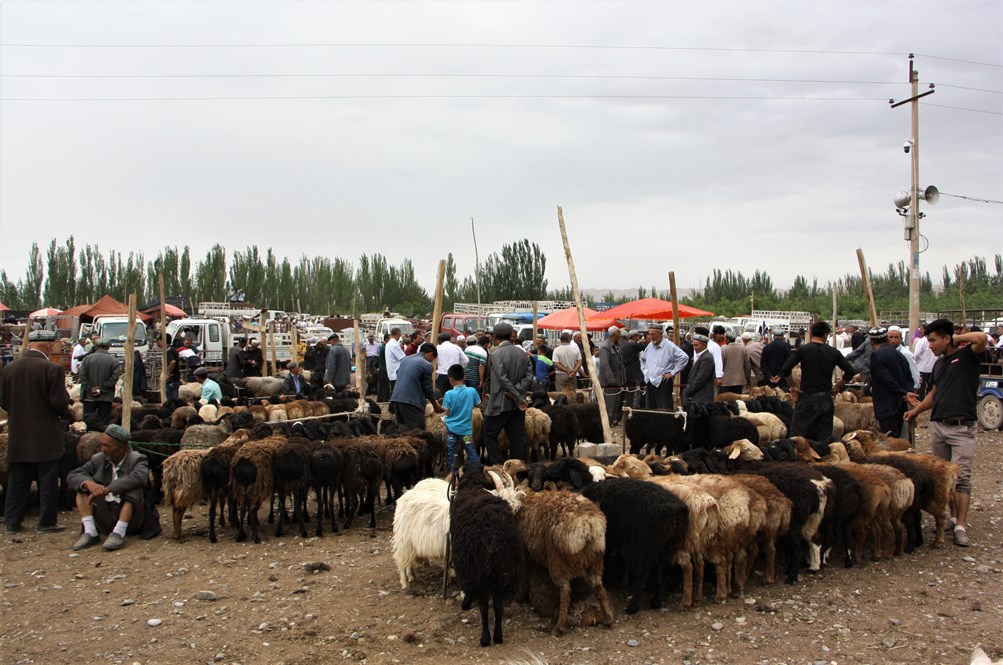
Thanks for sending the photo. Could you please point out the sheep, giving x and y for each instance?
(292, 476)
(645, 525)
(838, 428)
(326, 465)
(360, 478)
(544, 597)
(741, 514)
(876, 496)
(421, 527)
(589, 423)
(776, 524)
(208, 413)
(400, 465)
(487, 553)
(276, 413)
(845, 510)
(183, 416)
(258, 412)
(251, 481)
(656, 430)
(204, 436)
(157, 445)
(263, 386)
(856, 416)
(704, 517)
(563, 429)
(537, 438)
(182, 483)
(770, 426)
(566, 533)
(628, 466)
(215, 472)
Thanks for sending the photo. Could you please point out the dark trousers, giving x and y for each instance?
(614, 403)
(633, 397)
(408, 415)
(171, 388)
(731, 389)
(442, 385)
(813, 417)
(514, 424)
(892, 425)
(383, 386)
(19, 487)
(658, 397)
(100, 409)
(924, 384)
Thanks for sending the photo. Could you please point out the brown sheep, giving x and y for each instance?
(566, 533)
(251, 481)
(856, 416)
(182, 483)
(776, 523)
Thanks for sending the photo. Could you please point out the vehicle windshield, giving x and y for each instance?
(117, 330)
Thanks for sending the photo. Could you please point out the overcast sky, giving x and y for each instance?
(436, 112)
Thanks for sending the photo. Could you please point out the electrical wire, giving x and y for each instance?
(961, 108)
(970, 198)
(246, 98)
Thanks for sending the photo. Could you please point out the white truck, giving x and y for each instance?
(114, 328)
(760, 322)
(213, 339)
(379, 325)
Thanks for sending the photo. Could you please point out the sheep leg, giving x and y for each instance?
(482, 604)
(595, 579)
(271, 509)
(318, 491)
(771, 562)
(371, 497)
(299, 510)
(941, 522)
(847, 540)
(179, 515)
(329, 501)
(794, 565)
(212, 516)
(636, 589)
(738, 576)
(698, 572)
(241, 516)
(279, 529)
(750, 558)
(253, 519)
(686, 563)
(901, 535)
(564, 588)
(721, 573)
(499, 606)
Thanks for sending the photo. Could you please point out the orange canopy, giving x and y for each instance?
(650, 308)
(103, 307)
(4, 308)
(568, 318)
(169, 310)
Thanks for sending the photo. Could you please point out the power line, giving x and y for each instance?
(245, 98)
(964, 87)
(454, 75)
(961, 108)
(969, 198)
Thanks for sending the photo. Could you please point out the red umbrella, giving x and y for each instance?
(650, 308)
(4, 308)
(568, 318)
(45, 311)
(169, 310)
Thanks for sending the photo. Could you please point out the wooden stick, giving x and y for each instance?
(163, 343)
(866, 276)
(536, 309)
(360, 363)
(961, 295)
(24, 339)
(675, 332)
(589, 362)
(264, 342)
(130, 347)
(271, 348)
(437, 311)
(477, 262)
(294, 344)
(835, 318)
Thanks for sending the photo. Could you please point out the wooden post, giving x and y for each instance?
(24, 338)
(675, 333)
(866, 276)
(271, 348)
(437, 310)
(264, 344)
(536, 309)
(477, 262)
(961, 296)
(130, 346)
(294, 344)
(360, 363)
(589, 362)
(163, 343)
(835, 318)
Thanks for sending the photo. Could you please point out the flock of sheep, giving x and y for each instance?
(718, 486)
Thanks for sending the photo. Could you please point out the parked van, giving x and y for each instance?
(115, 329)
(462, 324)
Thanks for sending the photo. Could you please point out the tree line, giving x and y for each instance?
(65, 275)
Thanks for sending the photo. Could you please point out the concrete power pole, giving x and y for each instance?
(913, 216)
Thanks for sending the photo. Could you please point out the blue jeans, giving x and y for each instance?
(452, 440)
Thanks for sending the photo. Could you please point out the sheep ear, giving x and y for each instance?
(814, 454)
(851, 436)
(735, 452)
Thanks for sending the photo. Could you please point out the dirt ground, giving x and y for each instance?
(143, 604)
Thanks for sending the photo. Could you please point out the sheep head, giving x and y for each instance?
(744, 450)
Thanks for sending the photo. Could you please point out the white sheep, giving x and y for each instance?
(421, 526)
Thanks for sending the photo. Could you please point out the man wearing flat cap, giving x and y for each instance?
(891, 381)
(700, 388)
(509, 376)
(99, 372)
(210, 389)
(109, 491)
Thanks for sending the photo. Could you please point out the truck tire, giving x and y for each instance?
(990, 412)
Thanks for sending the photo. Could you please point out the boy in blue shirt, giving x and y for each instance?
(458, 404)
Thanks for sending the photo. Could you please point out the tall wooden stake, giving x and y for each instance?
(163, 343)
(835, 318)
(437, 312)
(589, 362)
(130, 346)
(271, 348)
(536, 310)
(24, 338)
(360, 363)
(866, 277)
(477, 262)
(264, 343)
(961, 296)
(675, 331)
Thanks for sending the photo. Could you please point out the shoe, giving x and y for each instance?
(114, 542)
(961, 538)
(14, 527)
(49, 528)
(85, 541)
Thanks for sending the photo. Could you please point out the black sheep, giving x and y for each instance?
(325, 472)
(924, 483)
(656, 431)
(849, 495)
(645, 524)
(487, 551)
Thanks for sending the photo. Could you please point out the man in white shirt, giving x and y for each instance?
(661, 360)
(567, 361)
(79, 351)
(925, 360)
(395, 354)
(715, 352)
(895, 340)
(449, 354)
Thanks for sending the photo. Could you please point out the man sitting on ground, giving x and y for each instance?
(109, 491)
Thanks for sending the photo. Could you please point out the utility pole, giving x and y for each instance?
(913, 215)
